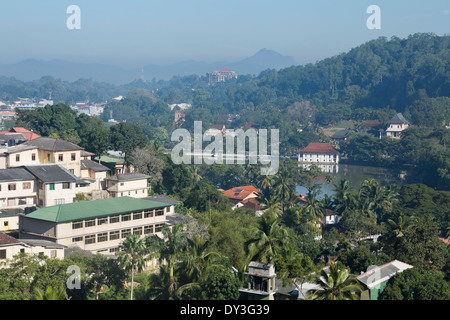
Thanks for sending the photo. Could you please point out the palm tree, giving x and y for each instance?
(283, 188)
(343, 195)
(313, 204)
(272, 205)
(199, 257)
(396, 228)
(253, 173)
(269, 237)
(51, 294)
(266, 182)
(170, 249)
(197, 262)
(336, 284)
(132, 256)
(196, 177)
(327, 202)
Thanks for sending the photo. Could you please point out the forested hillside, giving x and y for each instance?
(373, 81)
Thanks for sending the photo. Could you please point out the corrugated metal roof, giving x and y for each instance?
(95, 166)
(93, 208)
(398, 118)
(52, 173)
(163, 198)
(129, 177)
(53, 144)
(383, 273)
(15, 174)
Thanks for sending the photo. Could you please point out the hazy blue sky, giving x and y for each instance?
(136, 32)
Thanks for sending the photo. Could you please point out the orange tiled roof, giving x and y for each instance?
(319, 148)
(240, 193)
(29, 135)
(251, 203)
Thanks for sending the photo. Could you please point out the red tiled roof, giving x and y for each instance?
(328, 212)
(29, 135)
(240, 193)
(6, 239)
(319, 148)
(217, 126)
(324, 133)
(251, 203)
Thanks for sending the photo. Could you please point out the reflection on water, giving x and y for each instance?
(355, 175)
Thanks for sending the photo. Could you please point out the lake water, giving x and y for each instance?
(356, 174)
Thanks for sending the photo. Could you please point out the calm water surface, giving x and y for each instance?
(356, 174)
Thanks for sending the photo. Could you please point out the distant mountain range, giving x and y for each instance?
(31, 69)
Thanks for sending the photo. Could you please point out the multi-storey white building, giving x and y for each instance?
(98, 226)
(321, 154)
(396, 125)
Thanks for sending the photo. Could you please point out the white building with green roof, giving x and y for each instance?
(98, 226)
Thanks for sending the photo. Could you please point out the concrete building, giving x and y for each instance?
(56, 185)
(128, 184)
(375, 279)
(98, 226)
(54, 150)
(10, 247)
(261, 282)
(396, 125)
(321, 154)
(221, 76)
(18, 188)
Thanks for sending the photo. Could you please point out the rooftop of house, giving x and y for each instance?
(51, 173)
(7, 239)
(92, 165)
(18, 148)
(43, 243)
(128, 177)
(382, 273)
(176, 218)
(251, 203)
(15, 174)
(315, 147)
(29, 135)
(370, 123)
(341, 134)
(398, 119)
(85, 153)
(164, 199)
(328, 212)
(8, 137)
(93, 208)
(53, 144)
(240, 193)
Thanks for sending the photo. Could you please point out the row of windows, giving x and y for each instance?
(13, 186)
(27, 186)
(118, 234)
(33, 157)
(51, 186)
(120, 217)
(73, 157)
(53, 253)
